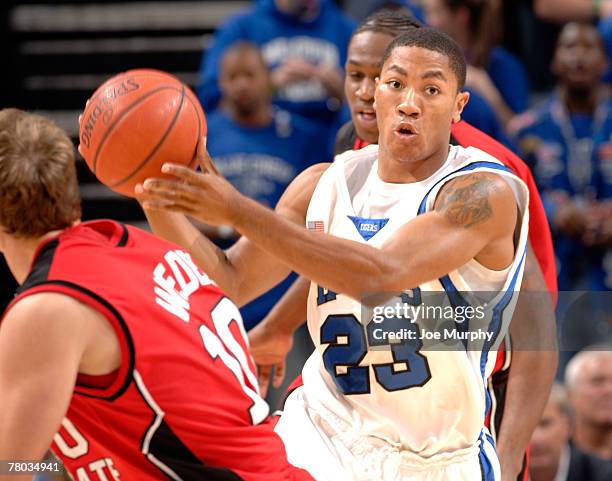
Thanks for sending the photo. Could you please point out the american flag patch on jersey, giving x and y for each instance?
(316, 225)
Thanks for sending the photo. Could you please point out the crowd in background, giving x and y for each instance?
(572, 439)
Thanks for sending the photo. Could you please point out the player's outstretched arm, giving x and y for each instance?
(532, 370)
(177, 228)
(246, 270)
(271, 340)
(44, 340)
(258, 263)
(477, 212)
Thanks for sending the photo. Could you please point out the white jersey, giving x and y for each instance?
(423, 402)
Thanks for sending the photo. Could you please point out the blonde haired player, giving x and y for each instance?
(117, 351)
(407, 216)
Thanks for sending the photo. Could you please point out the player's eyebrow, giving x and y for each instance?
(434, 74)
(398, 69)
(356, 63)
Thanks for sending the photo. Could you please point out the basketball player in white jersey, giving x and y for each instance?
(409, 215)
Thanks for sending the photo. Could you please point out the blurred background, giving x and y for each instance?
(58, 52)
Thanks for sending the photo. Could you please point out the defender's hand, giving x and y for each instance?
(269, 350)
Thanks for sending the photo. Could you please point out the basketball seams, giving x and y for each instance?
(197, 112)
(120, 117)
(104, 87)
(118, 159)
(159, 143)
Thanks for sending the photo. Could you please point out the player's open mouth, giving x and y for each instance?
(367, 117)
(406, 131)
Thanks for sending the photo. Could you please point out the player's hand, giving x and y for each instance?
(205, 195)
(269, 351)
(570, 219)
(292, 70)
(598, 230)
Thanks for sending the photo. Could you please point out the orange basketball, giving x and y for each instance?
(135, 122)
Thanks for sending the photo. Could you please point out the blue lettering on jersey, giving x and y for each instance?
(348, 355)
(368, 227)
(412, 297)
(342, 357)
(324, 295)
(407, 352)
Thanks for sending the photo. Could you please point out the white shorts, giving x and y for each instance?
(331, 450)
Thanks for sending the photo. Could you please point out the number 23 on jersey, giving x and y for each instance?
(348, 342)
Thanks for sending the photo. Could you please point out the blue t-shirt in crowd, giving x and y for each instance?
(605, 30)
(481, 115)
(261, 162)
(322, 40)
(571, 155)
(510, 78)
(601, 280)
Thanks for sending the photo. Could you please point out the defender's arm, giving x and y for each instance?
(271, 340)
(532, 369)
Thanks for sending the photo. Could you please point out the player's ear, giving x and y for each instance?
(460, 102)
(376, 82)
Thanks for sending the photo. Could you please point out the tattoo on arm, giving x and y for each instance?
(465, 200)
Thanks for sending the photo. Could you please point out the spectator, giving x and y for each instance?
(598, 233)
(303, 42)
(257, 147)
(581, 10)
(566, 140)
(572, 10)
(493, 72)
(588, 378)
(552, 457)
(360, 9)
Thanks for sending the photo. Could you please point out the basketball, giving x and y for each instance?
(134, 123)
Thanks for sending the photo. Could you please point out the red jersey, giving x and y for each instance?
(539, 238)
(539, 231)
(184, 404)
